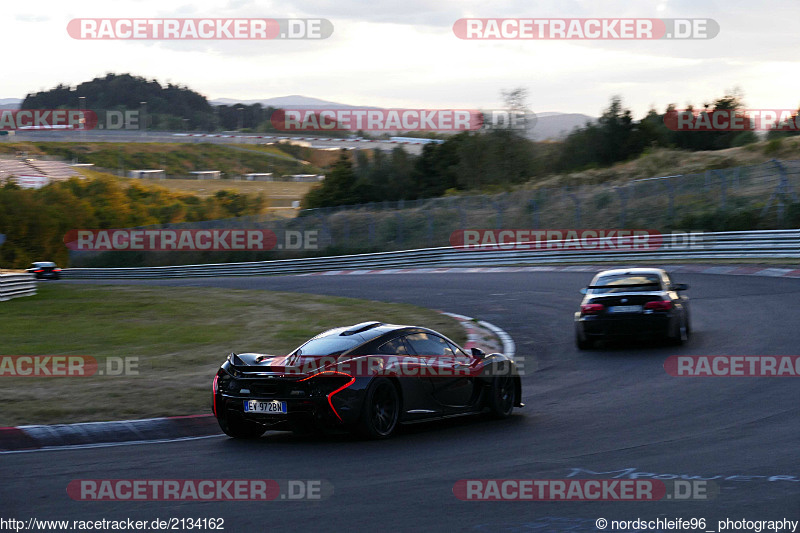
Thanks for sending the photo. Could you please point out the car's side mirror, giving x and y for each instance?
(584, 290)
(679, 286)
(477, 352)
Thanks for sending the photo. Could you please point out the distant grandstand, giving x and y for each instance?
(32, 173)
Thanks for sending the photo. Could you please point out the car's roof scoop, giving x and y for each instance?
(358, 328)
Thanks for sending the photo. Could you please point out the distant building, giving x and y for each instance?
(153, 173)
(259, 176)
(304, 177)
(207, 174)
(415, 140)
(31, 182)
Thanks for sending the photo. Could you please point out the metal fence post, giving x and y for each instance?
(671, 192)
(577, 201)
(623, 200)
(399, 220)
(535, 211)
(723, 185)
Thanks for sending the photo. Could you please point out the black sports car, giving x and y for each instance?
(632, 303)
(369, 377)
(44, 270)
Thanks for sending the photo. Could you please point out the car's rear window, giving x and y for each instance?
(626, 283)
(333, 345)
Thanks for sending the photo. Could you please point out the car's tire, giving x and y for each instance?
(682, 335)
(583, 344)
(381, 412)
(502, 394)
(240, 429)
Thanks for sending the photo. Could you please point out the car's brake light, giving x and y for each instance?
(40, 270)
(330, 395)
(56, 270)
(592, 309)
(214, 396)
(659, 305)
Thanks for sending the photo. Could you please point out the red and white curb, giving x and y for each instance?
(31, 438)
(733, 270)
(92, 434)
(484, 335)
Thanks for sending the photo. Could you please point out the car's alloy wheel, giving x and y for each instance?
(240, 429)
(381, 409)
(501, 396)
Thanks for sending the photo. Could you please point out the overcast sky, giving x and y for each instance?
(405, 54)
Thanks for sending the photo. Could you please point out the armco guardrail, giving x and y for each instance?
(779, 244)
(16, 285)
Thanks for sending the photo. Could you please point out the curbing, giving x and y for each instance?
(38, 437)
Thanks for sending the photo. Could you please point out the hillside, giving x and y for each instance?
(176, 159)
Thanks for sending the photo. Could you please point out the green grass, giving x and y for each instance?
(179, 335)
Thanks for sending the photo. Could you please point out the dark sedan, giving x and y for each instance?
(45, 270)
(369, 377)
(640, 303)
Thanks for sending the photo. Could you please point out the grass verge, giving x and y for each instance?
(179, 335)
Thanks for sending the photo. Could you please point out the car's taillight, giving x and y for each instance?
(214, 396)
(40, 270)
(56, 270)
(659, 305)
(592, 309)
(329, 383)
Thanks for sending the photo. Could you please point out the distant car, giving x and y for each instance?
(369, 377)
(45, 270)
(632, 303)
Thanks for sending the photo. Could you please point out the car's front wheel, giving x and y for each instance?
(381, 410)
(501, 396)
(240, 429)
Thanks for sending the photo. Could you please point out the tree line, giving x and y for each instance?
(36, 220)
(495, 159)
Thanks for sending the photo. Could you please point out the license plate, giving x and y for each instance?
(625, 309)
(270, 407)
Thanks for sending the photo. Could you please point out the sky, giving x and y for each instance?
(406, 54)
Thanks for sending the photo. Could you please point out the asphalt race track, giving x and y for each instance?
(611, 412)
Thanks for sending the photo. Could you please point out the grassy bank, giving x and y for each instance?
(179, 336)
